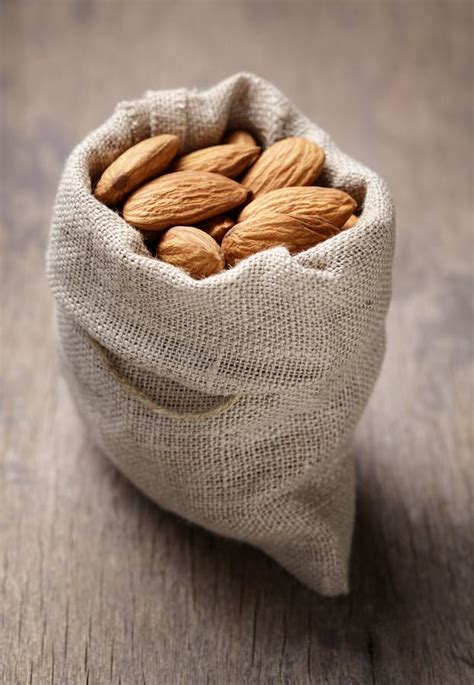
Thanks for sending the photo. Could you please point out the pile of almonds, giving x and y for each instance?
(204, 219)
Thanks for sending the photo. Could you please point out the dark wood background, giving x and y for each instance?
(98, 585)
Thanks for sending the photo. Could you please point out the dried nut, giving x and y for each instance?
(192, 250)
(217, 227)
(289, 162)
(182, 198)
(351, 221)
(329, 204)
(264, 231)
(239, 138)
(134, 167)
(228, 160)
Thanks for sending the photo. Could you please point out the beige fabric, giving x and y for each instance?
(278, 355)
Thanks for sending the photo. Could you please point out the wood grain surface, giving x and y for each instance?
(98, 585)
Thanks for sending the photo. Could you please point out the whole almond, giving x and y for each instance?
(239, 137)
(182, 198)
(289, 162)
(351, 221)
(192, 250)
(217, 227)
(134, 167)
(228, 160)
(330, 204)
(265, 231)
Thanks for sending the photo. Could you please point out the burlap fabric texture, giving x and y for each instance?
(230, 401)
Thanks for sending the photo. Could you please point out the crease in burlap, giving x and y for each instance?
(230, 401)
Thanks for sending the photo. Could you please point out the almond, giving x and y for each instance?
(239, 137)
(289, 162)
(265, 231)
(192, 250)
(182, 198)
(135, 166)
(217, 227)
(228, 160)
(351, 221)
(329, 204)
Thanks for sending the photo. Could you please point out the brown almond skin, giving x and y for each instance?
(228, 160)
(217, 227)
(351, 221)
(191, 250)
(314, 223)
(330, 204)
(239, 137)
(134, 167)
(289, 162)
(182, 198)
(265, 231)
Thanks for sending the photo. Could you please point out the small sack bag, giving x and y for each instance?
(230, 401)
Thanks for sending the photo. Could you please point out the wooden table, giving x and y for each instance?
(98, 585)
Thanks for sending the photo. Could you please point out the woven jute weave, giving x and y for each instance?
(230, 401)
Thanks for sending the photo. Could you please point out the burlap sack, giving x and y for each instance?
(230, 401)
